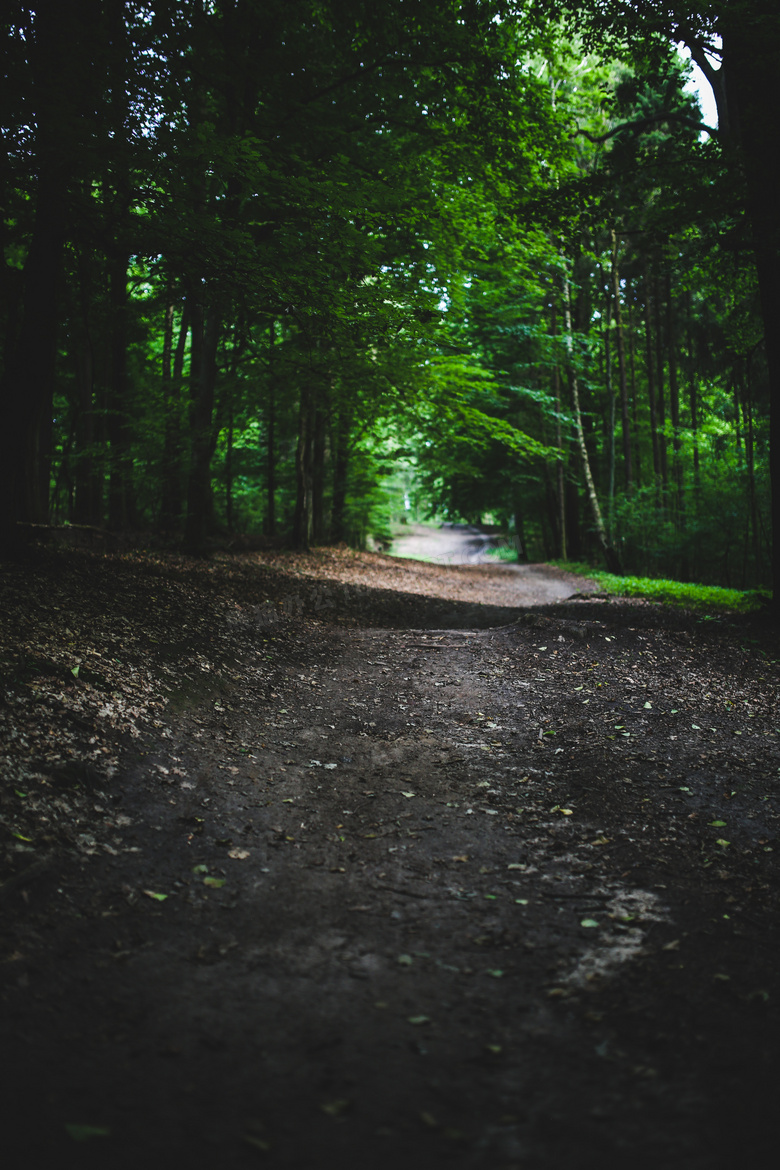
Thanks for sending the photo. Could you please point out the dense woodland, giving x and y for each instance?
(305, 267)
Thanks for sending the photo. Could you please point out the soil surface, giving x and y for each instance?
(460, 544)
(449, 544)
(336, 860)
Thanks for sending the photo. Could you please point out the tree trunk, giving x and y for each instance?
(622, 367)
(229, 469)
(751, 50)
(87, 496)
(660, 406)
(203, 378)
(27, 386)
(172, 380)
(611, 401)
(121, 499)
(610, 556)
(304, 457)
(319, 464)
(573, 526)
(338, 529)
(674, 397)
(121, 507)
(693, 403)
(634, 403)
(747, 404)
(651, 402)
(270, 447)
(560, 482)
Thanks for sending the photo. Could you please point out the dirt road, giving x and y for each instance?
(367, 892)
(463, 545)
(447, 544)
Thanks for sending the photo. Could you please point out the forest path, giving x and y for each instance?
(464, 545)
(478, 898)
(447, 544)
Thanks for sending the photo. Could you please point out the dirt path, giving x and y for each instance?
(492, 897)
(461, 545)
(448, 544)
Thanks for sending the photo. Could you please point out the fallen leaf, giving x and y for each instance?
(157, 897)
(257, 1143)
(82, 1133)
(672, 946)
(214, 883)
(335, 1108)
(238, 854)
(589, 922)
(418, 1020)
(408, 795)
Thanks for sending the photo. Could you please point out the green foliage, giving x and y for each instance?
(316, 249)
(703, 597)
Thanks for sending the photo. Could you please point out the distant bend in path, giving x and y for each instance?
(466, 547)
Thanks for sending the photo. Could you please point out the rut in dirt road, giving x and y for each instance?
(493, 898)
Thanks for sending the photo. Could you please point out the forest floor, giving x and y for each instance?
(316, 861)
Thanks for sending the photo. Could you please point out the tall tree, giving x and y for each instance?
(58, 35)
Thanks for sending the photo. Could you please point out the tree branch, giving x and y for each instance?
(641, 123)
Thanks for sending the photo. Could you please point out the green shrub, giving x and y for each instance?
(711, 597)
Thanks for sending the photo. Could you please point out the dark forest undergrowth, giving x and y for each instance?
(307, 862)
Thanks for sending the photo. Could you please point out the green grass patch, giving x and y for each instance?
(702, 597)
(503, 552)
